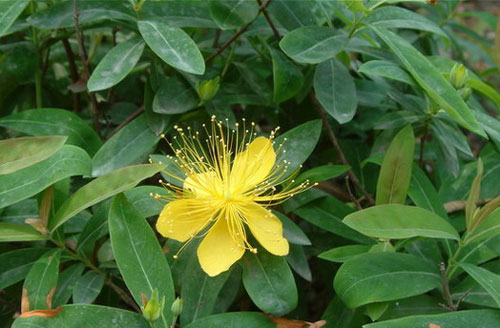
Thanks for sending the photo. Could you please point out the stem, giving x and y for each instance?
(174, 322)
(422, 145)
(73, 72)
(38, 73)
(446, 287)
(452, 267)
(269, 21)
(126, 121)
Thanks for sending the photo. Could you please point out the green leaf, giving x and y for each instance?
(15, 265)
(199, 291)
(174, 96)
(18, 232)
(291, 231)
(269, 282)
(398, 17)
(344, 253)
(85, 315)
(475, 189)
(287, 77)
(389, 272)
(335, 90)
(376, 310)
(66, 283)
(292, 14)
(297, 144)
(233, 14)
(96, 228)
(459, 319)
(68, 161)
(41, 280)
(386, 69)
(173, 46)
(395, 221)
(141, 198)
(16, 154)
(88, 287)
(491, 126)
(297, 259)
(321, 173)
(234, 320)
(138, 255)
(127, 146)
(9, 11)
(431, 80)
(488, 228)
(53, 122)
(312, 44)
(116, 65)
(395, 173)
(485, 89)
(487, 279)
(423, 193)
(101, 188)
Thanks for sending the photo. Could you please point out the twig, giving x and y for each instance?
(215, 44)
(235, 35)
(126, 121)
(86, 72)
(73, 72)
(354, 199)
(123, 295)
(446, 288)
(336, 145)
(422, 144)
(270, 22)
(459, 205)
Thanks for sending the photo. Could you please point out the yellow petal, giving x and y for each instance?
(183, 218)
(252, 166)
(219, 250)
(203, 184)
(266, 228)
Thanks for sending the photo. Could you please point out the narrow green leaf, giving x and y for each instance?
(173, 46)
(312, 44)
(487, 279)
(101, 188)
(138, 255)
(233, 14)
(431, 80)
(475, 189)
(41, 280)
(321, 173)
(386, 69)
(287, 77)
(18, 232)
(85, 315)
(234, 320)
(68, 161)
(395, 173)
(9, 11)
(66, 283)
(269, 282)
(292, 14)
(389, 272)
(485, 89)
(291, 231)
(344, 253)
(335, 90)
(116, 65)
(297, 259)
(423, 193)
(18, 153)
(88, 287)
(54, 122)
(394, 221)
(15, 265)
(488, 228)
(96, 227)
(126, 147)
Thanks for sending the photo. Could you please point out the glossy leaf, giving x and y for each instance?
(312, 44)
(429, 78)
(394, 221)
(288, 79)
(68, 161)
(96, 228)
(126, 147)
(269, 282)
(487, 279)
(88, 287)
(9, 11)
(140, 198)
(297, 259)
(386, 69)
(232, 14)
(85, 315)
(41, 281)
(395, 173)
(15, 264)
(66, 283)
(291, 231)
(335, 90)
(344, 253)
(54, 122)
(173, 46)
(234, 320)
(423, 193)
(101, 188)
(19, 232)
(488, 228)
(174, 97)
(321, 173)
(389, 272)
(138, 255)
(116, 65)
(292, 14)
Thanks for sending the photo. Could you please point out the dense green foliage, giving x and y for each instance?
(389, 105)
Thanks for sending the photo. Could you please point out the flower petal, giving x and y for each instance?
(183, 218)
(266, 228)
(219, 250)
(252, 166)
(203, 184)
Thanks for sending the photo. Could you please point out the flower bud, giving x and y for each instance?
(177, 307)
(458, 76)
(208, 89)
(154, 307)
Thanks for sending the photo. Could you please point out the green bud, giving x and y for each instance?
(465, 93)
(177, 307)
(208, 89)
(154, 307)
(458, 76)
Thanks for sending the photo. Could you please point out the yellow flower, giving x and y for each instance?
(230, 180)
